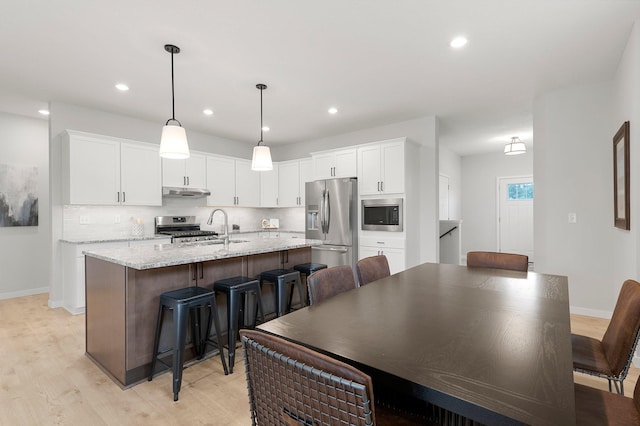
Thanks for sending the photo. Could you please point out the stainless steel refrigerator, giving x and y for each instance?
(331, 213)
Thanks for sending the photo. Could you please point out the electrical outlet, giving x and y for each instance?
(84, 220)
(572, 218)
(116, 219)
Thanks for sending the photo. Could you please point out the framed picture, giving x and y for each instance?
(621, 204)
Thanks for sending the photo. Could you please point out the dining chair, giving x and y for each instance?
(328, 282)
(595, 407)
(372, 268)
(489, 259)
(610, 358)
(289, 384)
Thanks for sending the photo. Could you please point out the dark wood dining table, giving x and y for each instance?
(489, 345)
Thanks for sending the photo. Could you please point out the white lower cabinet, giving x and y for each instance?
(392, 248)
(73, 296)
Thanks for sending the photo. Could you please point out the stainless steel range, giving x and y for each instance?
(182, 229)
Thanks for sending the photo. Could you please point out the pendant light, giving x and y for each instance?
(173, 143)
(261, 160)
(516, 146)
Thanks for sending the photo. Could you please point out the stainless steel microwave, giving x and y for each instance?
(382, 214)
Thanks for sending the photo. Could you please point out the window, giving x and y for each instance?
(520, 191)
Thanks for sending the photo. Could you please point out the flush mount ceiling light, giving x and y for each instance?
(261, 160)
(173, 143)
(122, 87)
(43, 111)
(207, 111)
(333, 110)
(516, 146)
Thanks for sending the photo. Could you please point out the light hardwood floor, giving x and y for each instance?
(45, 378)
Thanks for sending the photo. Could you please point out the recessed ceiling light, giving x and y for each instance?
(458, 42)
(333, 110)
(207, 111)
(265, 128)
(43, 111)
(122, 87)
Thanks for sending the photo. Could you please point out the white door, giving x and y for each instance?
(515, 221)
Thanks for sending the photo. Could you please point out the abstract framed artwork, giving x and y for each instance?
(18, 195)
(621, 190)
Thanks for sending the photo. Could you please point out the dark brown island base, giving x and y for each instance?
(123, 288)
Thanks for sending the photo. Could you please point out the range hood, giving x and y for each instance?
(173, 192)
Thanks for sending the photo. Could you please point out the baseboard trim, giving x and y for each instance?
(590, 312)
(29, 292)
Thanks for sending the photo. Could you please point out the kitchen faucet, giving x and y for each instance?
(226, 224)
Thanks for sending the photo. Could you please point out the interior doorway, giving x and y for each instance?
(515, 215)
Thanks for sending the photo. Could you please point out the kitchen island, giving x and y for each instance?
(123, 288)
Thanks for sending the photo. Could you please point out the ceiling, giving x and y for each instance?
(377, 61)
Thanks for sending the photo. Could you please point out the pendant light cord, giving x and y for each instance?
(261, 87)
(172, 49)
(173, 98)
(259, 142)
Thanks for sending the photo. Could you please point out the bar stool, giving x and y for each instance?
(183, 302)
(283, 280)
(236, 289)
(305, 270)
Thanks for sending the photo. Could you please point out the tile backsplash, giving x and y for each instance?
(118, 221)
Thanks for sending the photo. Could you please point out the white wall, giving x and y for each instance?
(24, 251)
(573, 174)
(450, 165)
(626, 99)
(479, 195)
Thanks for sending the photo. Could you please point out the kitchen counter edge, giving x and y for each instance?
(161, 255)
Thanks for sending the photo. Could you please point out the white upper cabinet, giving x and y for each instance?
(221, 181)
(269, 187)
(306, 175)
(381, 168)
(187, 173)
(232, 182)
(101, 170)
(334, 164)
(140, 175)
(293, 175)
(247, 184)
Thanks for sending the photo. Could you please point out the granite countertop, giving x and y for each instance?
(94, 240)
(105, 239)
(160, 255)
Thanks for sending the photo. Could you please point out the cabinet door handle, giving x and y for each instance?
(381, 186)
(201, 270)
(118, 196)
(188, 181)
(124, 197)
(192, 269)
(380, 242)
